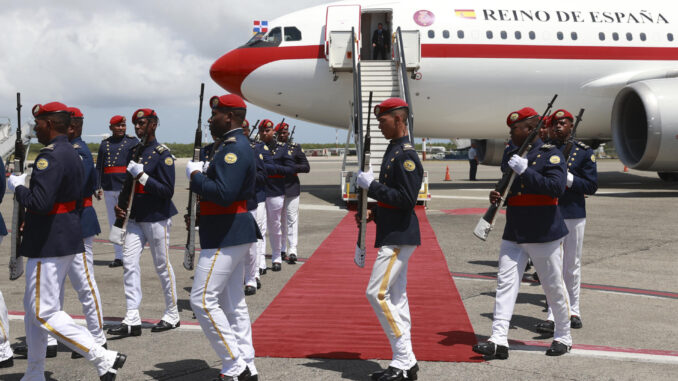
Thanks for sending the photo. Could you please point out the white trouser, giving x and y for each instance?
(81, 275)
(218, 301)
(387, 293)
(252, 261)
(572, 249)
(44, 281)
(261, 244)
(111, 198)
(274, 206)
(290, 225)
(157, 236)
(5, 349)
(548, 261)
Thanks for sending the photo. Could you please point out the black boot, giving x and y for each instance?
(125, 330)
(491, 350)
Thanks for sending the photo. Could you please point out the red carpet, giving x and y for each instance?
(322, 311)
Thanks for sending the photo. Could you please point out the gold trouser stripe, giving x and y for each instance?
(382, 294)
(4, 333)
(204, 305)
(91, 289)
(168, 266)
(562, 281)
(42, 321)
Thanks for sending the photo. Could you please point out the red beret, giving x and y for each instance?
(520, 115)
(560, 114)
(227, 101)
(282, 126)
(245, 124)
(75, 112)
(143, 113)
(547, 121)
(266, 123)
(117, 120)
(49, 108)
(389, 105)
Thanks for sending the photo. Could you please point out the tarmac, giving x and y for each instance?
(629, 302)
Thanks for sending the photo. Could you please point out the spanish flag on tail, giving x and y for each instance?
(466, 13)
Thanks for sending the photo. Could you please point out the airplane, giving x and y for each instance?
(471, 63)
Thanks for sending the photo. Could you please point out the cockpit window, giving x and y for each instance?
(292, 33)
(263, 40)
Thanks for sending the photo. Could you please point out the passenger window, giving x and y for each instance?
(532, 35)
(431, 34)
(503, 34)
(446, 34)
(643, 37)
(274, 36)
(615, 36)
(292, 34)
(670, 36)
(489, 34)
(460, 34)
(560, 35)
(574, 36)
(518, 35)
(601, 36)
(629, 37)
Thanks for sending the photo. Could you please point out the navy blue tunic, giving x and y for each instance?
(88, 219)
(292, 185)
(3, 187)
(397, 191)
(53, 202)
(112, 161)
(224, 190)
(532, 215)
(280, 165)
(262, 175)
(582, 165)
(153, 201)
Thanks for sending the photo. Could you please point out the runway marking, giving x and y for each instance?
(108, 320)
(329, 208)
(460, 197)
(588, 286)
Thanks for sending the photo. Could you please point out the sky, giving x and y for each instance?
(113, 57)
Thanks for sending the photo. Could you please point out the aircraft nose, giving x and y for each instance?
(231, 69)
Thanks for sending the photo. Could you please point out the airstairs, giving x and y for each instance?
(8, 139)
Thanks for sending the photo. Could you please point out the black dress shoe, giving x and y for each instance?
(164, 326)
(7, 363)
(22, 350)
(557, 349)
(246, 375)
(492, 350)
(76, 355)
(262, 271)
(292, 259)
(575, 322)
(117, 364)
(125, 330)
(258, 284)
(391, 374)
(283, 255)
(276, 267)
(115, 263)
(250, 290)
(546, 327)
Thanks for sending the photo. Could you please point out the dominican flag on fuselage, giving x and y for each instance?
(260, 26)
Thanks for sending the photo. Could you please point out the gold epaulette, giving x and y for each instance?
(48, 148)
(160, 148)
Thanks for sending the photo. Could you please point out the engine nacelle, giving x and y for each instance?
(490, 151)
(645, 125)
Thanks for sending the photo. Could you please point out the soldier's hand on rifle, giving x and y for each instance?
(135, 169)
(119, 213)
(193, 166)
(370, 217)
(365, 178)
(495, 197)
(98, 194)
(14, 181)
(518, 164)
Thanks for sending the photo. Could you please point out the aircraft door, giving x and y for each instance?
(340, 19)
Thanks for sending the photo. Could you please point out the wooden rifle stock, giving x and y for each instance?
(16, 263)
(189, 253)
(362, 196)
(486, 223)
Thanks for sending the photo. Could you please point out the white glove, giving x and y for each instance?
(193, 166)
(135, 168)
(14, 181)
(570, 179)
(518, 164)
(359, 258)
(365, 178)
(205, 166)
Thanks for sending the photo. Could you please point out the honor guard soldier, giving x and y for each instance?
(112, 161)
(6, 354)
(149, 222)
(534, 230)
(398, 236)
(275, 189)
(257, 206)
(51, 240)
(227, 230)
(290, 219)
(582, 180)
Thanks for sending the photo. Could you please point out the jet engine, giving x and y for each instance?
(490, 151)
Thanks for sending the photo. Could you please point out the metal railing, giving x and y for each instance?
(357, 99)
(399, 53)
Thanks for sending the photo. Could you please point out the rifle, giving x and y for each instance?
(486, 223)
(289, 140)
(252, 130)
(119, 228)
(16, 263)
(189, 254)
(362, 196)
(570, 141)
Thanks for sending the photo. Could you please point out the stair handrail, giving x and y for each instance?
(357, 99)
(399, 54)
